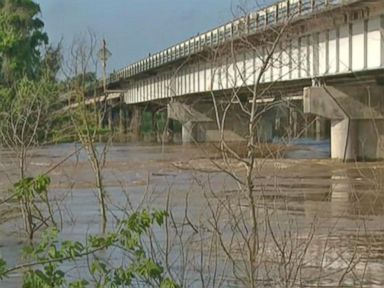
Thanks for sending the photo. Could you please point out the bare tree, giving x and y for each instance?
(88, 111)
(20, 130)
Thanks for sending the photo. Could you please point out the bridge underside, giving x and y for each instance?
(224, 115)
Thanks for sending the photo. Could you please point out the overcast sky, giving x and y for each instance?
(134, 28)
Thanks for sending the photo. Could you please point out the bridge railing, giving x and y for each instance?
(243, 26)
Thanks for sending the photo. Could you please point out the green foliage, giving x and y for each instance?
(86, 81)
(27, 75)
(50, 254)
(21, 36)
(146, 125)
(168, 283)
(30, 188)
(51, 62)
(79, 284)
(3, 268)
(32, 194)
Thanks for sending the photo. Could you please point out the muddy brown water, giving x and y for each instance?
(345, 199)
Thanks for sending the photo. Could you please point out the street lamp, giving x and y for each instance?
(103, 55)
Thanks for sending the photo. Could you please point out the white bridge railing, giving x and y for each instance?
(243, 26)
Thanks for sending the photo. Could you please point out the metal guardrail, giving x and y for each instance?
(243, 26)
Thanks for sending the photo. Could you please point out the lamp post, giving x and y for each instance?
(103, 55)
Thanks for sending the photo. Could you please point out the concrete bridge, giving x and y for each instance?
(312, 64)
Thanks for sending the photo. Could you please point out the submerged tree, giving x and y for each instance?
(87, 111)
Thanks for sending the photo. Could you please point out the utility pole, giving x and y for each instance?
(103, 55)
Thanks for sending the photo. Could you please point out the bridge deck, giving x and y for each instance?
(245, 26)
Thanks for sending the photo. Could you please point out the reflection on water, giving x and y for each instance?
(347, 200)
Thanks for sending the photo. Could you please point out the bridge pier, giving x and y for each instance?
(122, 117)
(193, 122)
(155, 126)
(110, 118)
(357, 122)
(292, 123)
(199, 123)
(136, 121)
(265, 127)
(344, 141)
(169, 131)
(187, 134)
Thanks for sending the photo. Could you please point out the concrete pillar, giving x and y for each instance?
(127, 119)
(99, 119)
(276, 129)
(110, 118)
(155, 126)
(265, 129)
(170, 131)
(121, 118)
(154, 121)
(187, 134)
(344, 141)
(200, 132)
(136, 120)
(292, 123)
(359, 139)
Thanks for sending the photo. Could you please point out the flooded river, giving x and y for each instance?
(326, 216)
